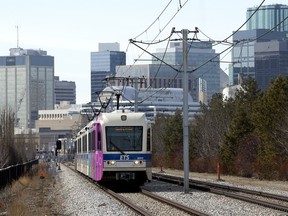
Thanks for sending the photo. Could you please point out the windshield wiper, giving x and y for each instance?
(117, 147)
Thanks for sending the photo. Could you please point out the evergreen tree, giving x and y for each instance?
(239, 136)
(241, 127)
(173, 140)
(158, 134)
(268, 116)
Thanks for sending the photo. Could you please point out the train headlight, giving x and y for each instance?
(111, 162)
(138, 162)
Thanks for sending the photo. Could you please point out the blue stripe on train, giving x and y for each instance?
(123, 157)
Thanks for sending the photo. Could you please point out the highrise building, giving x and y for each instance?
(265, 27)
(271, 60)
(103, 63)
(202, 83)
(64, 91)
(202, 60)
(243, 54)
(268, 17)
(26, 84)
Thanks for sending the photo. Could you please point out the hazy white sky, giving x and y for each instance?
(70, 29)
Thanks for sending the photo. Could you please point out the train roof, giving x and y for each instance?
(118, 117)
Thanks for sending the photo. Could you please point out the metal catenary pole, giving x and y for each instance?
(185, 33)
(185, 112)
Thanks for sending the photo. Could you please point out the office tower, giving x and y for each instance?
(243, 53)
(202, 60)
(259, 32)
(268, 17)
(26, 84)
(64, 91)
(103, 63)
(271, 60)
(202, 83)
(264, 27)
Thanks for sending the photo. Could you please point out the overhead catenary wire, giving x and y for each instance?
(270, 30)
(233, 33)
(160, 31)
(243, 42)
(190, 44)
(144, 50)
(237, 42)
(164, 54)
(224, 41)
(154, 20)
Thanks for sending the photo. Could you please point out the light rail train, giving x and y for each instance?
(115, 146)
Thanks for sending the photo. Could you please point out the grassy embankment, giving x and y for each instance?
(32, 194)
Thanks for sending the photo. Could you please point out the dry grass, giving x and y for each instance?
(32, 194)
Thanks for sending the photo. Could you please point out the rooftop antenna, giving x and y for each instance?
(17, 29)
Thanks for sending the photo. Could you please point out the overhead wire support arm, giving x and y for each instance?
(195, 31)
(133, 42)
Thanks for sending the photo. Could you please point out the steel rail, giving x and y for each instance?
(210, 187)
(173, 204)
(243, 190)
(128, 203)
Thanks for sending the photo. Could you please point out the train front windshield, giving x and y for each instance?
(124, 138)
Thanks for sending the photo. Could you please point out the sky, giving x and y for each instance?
(70, 30)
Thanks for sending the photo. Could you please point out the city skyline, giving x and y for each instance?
(71, 30)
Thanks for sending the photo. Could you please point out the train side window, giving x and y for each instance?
(85, 143)
(82, 144)
(79, 145)
(90, 142)
(93, 140)
(149, 139)
(78, 148)
(99, 138)
(75, 146)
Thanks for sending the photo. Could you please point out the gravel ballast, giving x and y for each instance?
(80, 197)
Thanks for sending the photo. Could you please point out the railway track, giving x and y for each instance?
(134, 205)
(133, 201)
(233, 192)
(179, 206)
(158, 205)
(126, 202)
(130, 204)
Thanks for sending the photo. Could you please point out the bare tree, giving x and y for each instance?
(6, 136)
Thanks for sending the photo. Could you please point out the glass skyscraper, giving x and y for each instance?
(271, 60)
(267, 17)
(26, 84)
(243, 54)
(203, 59)
(64, 91)
(258, 33)
(103, 63)
(202, 83)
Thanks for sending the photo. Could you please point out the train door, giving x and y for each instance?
(89, 153)
(75, 157)
(87, 159)
(93, 153)
(99, 153)
(79, 164)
